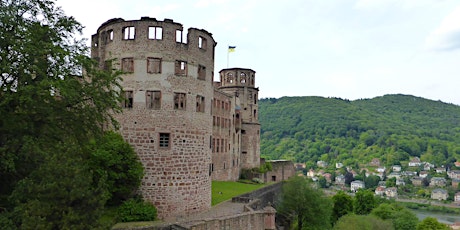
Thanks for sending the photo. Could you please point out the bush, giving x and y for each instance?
(136, 210)
(257, 180)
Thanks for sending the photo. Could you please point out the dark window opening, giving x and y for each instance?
(164, 140)
(179, 101)
(273, 178)
(153, 99)
(128, 99)
(200, 103)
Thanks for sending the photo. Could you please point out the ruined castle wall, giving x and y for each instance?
(167, 84)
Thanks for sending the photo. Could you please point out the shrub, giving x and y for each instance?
(257, 180)
(136, 210)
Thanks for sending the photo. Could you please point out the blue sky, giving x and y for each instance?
(350, 49)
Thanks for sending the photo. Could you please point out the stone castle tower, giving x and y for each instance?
(186, 129)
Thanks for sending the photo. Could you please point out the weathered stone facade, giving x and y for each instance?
(185, 128)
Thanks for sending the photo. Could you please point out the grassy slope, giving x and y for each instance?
(225, 190)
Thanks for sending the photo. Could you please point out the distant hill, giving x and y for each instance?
(392, 128)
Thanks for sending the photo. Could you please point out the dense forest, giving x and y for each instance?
(393, 128)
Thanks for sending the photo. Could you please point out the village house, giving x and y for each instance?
(427, 166)
(338, 165)
(417, 181)
(357, 184)
(440, 170)
(340, 180)
(382, 184)
(396, 175)
(300, 166)
(328, 177)
(321, 164)
(391, 192)
(409, 173)
(457, 164)
(381, 169)
(454, 174)
(396, 168)
(380, 191)
(400, 182)
(311, 173)
(455, 183)
(415, 162)
(437, 182)
(457, 198)
(423, 174)
(439, 194)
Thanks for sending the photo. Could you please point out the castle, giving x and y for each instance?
(186, 129)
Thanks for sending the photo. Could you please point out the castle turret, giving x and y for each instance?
(241, 83)
(168, 89)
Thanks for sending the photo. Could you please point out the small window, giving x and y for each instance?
(202, 43)
(155, 33)
(110, 33)
(181, 68)
(108, 65)
(129, 33)
(179, 101)
(127, 65)
(201, 72)
(153, 65)
(153, 99)
(128, 99)
(164, 140)
(179, 36)
(200, 103)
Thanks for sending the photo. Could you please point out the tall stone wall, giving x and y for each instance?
(168, 89)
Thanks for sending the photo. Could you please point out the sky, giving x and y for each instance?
(351, 49)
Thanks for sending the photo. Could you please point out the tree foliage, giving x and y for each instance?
(362, 222)
(301, 202)
(343, 205)
(431, 223)
(402, 218)
(53, 101)
(393, 128)
(364, 202)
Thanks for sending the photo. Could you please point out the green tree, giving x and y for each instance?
(364, 202)
(361, 222)
(371, 181)
(322, 182)
(49, 112)
(401, 218)
(343, 205)
(391, 182)
(305, 204)
(431, 223)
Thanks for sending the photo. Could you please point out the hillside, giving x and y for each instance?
(392, 128)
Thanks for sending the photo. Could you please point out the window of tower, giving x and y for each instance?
(179, 101)
(255, 113)
(243, 80)
(153, 99)
(155, 33)
(230, 78)
(110, 33)
(129, 33)
(128, 99)
(200, 103)
(153, 65)
(127, 65)
(179, 36)
(164, 140)
(201, 72)
(181, 68)
(202, 42)
(255, 98)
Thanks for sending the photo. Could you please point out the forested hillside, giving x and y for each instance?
(392, 128)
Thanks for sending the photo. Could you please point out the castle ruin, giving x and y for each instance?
(186, 129)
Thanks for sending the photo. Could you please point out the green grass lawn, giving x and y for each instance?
(225, 190)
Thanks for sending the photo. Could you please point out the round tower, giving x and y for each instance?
(240, 82)
(167, 85)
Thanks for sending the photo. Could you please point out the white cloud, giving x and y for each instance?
(447, 35)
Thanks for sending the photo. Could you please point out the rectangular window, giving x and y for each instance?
(181, 68)
(155, 33)
(201, 72)
(153, 99)
(202, 43)
(179, 101)
(127, 65)
(200, 103)
(129, 33)
(153, 65)
(110, 35)
(128, 99)
(165, 140)
(179, 36)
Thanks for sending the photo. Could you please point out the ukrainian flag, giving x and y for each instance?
(231, 49)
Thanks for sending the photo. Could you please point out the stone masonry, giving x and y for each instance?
(186, 129)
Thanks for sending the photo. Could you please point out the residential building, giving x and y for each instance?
(439, 194)
(357, 184)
